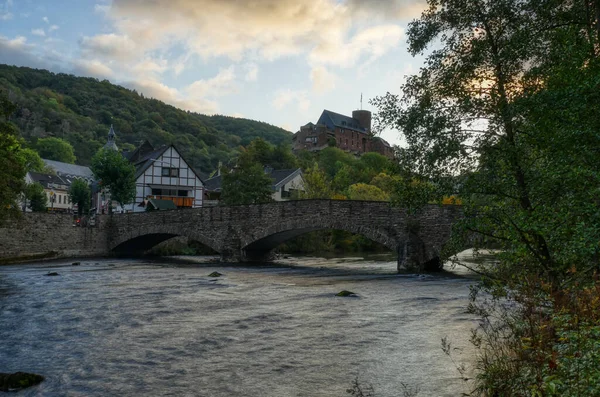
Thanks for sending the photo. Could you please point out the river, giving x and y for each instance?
(164, 328)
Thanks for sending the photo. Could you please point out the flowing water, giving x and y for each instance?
(164, 328)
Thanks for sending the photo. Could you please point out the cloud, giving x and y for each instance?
(93, 68)
(222, 84)
(323, 80)
(387, 9)
(5, 13)
(109, 46)
(45, 19)
(38, 32)
(18, 52)
(160, 91)
(101, 9)
(284, 97)
(372, 42)
(251, 72)
(269, 29)
(53, 28)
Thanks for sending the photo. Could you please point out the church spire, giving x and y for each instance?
(111, 144)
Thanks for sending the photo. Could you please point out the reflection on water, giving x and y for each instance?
(158, 328)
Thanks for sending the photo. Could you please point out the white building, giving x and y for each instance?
(56, 189)
(165, 175)
(285, 183)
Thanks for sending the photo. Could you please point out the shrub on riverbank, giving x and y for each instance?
(547, 343)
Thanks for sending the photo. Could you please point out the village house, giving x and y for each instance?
(163, 174)
(285, 183)
(351, 134)
(56, 189)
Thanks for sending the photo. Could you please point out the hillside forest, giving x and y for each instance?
(80, 111)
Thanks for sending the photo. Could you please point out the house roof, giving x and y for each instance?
(279, 177)
(143, 157)
(162, 204)
(146, 160)
(48, 180)
(332, 120)
(70, 170)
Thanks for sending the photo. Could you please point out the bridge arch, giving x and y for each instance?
(143, 239)
(263, 240)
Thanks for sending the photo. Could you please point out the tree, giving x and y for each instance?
(316, 185)
(55, 149)
(115, 174)
(475, 110)
(80, 194)
(33, 161)
(12, 163)
(362, 191)
(38, 201)
(246, 184)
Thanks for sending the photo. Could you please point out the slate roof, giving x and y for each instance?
(146, 160)
(70, 170)
(279, 177)
(46, 180)
(332, 120)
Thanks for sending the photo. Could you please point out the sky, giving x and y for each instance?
(278, 61)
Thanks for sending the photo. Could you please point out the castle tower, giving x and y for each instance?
(363, 117)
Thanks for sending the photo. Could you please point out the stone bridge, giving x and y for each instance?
(251, 232)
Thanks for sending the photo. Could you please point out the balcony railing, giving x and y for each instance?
(179, 201)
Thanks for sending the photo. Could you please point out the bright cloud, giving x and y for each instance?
(38, 32)
(224, 83)
(285, 97)
(109, 46)
(322, 80)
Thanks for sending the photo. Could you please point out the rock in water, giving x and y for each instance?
(215, 274)
(345, 293)
(52, 274)
(75, 263)
(18, 381)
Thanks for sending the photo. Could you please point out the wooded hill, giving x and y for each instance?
(81, 109)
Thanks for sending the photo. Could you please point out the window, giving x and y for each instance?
(156, 192)
(172, 172)
(182, 193)
(59, 199)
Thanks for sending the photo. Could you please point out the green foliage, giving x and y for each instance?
(116, 174)
(362, 191)
(246, 184)
(80, 194)
(38, 200)
(315, 184)
(80, 111)
(33, 161)
(262, 152)
(55, 149)
(12, 163)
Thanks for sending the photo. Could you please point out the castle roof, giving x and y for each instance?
(332, 120)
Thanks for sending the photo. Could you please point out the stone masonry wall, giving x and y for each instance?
(237, 232)
(46, 236)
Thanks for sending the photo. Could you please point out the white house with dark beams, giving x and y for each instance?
(164, 174)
